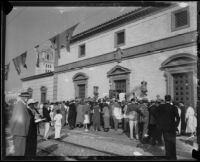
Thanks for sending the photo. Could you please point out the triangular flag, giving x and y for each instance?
(17, 62)
(20, 60)
(23, 58)
(38, 59)
(65, 37)
(7, 68)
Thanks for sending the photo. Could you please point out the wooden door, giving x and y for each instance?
(81, 90)
(120, 86)
(183, 88)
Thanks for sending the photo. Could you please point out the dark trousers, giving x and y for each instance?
(116, 122)
(111, 122)
(125, 124)
(170, 144)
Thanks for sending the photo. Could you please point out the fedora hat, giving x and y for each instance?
(24, 94)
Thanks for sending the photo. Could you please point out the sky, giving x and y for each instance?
(27, 27)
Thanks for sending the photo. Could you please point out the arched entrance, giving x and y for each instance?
(180, 72)
(80, 85)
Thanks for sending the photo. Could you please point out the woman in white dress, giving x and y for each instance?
(191, 121)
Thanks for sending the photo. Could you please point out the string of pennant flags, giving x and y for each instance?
(59, 41)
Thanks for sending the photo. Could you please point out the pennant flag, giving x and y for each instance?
(16, 62)
(38, 60)
(23, 58)
(20, 60)
(55, 43)
(7, 68)
(65, 37)
(118, 55)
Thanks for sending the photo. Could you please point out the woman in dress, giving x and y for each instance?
(96, 116)
(191, 121)
(80, 115)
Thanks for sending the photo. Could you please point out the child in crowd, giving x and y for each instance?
(58, 124)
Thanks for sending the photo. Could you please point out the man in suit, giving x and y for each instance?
(20, 123)
(168, 120)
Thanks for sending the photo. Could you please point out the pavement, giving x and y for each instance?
(77, 144)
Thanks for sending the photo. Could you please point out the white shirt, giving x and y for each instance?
(121, 97)
(57, 119)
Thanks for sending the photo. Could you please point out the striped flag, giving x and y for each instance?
(7, 69)
(20, 60)
(65, 37)
(38, 59)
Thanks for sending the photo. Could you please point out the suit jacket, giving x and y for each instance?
(20, 120)
(167, 117)
(46, 114)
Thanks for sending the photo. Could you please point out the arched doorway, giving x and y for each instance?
(119, 79)
(80, 85)
(180, 72)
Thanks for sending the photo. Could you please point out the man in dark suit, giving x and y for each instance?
(20, 123)
(168, 120)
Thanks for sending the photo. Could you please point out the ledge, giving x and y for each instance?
(43, 75)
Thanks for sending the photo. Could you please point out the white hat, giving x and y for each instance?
(31, 101)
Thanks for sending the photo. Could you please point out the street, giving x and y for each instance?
(78, 144)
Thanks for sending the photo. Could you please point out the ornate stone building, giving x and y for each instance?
(158, 46)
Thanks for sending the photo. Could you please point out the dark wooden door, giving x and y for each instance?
(120, 86)
(183, 88)
(43, 97)
(81, 90)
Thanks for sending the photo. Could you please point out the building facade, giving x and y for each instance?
(155, 45)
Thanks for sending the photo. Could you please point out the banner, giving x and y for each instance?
(65, 37)
(7, 69)
(38, 59)
(23, 59)
(20, 60)
(55, 44)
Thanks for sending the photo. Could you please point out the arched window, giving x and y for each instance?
(43, 90)
(30, 91)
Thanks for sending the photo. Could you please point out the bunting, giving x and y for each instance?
(65, 37)
(38, 59)
(20, 60)
(7, 69)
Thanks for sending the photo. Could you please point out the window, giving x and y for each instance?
(47, 57)
(119, 38)
(180, 19)
(82, 50)
(43, 94)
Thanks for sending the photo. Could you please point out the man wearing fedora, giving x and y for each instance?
(20, 123)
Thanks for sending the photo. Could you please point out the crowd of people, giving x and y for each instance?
(156, 122)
